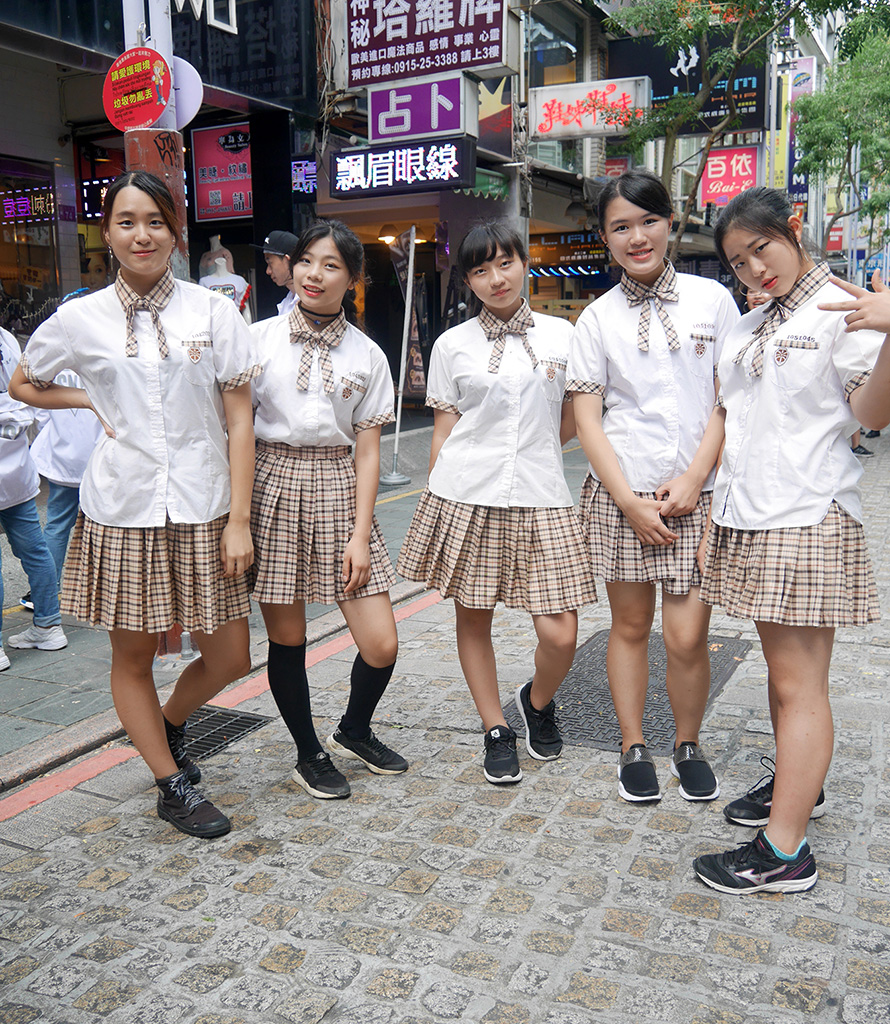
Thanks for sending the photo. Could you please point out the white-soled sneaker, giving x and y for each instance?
(40, 638)
(4, 660)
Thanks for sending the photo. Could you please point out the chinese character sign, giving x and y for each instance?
(395, 39)
(421, 108)
(304, 177)
(27, 205)
(727, 173)
(137, 88)
(398, 169)
(221, 167)
(587, 108)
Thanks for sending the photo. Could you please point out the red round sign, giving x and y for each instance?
(136, 88)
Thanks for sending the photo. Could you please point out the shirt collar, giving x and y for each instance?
(300, 330)
(159, 295)
(494, 327)
(805, 288)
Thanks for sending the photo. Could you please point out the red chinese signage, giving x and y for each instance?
(137, 88)
(728, 172)
(221, 165)
(587, 108)
(616, 166)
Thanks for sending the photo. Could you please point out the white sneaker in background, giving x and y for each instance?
(41, 638)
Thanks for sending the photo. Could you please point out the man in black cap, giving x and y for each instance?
(277, 248)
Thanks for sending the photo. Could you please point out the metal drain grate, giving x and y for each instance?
(212, 729)
(584, 703)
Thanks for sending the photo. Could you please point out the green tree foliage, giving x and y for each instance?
(853, 108)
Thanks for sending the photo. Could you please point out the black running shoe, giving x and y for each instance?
(697, 780)
(26, 602)
(753, 867)
(753, 808)
(176, 743)
(501, 762)
(376, 755)
(542, 738)
(870, 434)
(318, 776)
(860, 449)
(187, 809)
(637, 781)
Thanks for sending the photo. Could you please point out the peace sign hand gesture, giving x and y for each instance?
(865, 310)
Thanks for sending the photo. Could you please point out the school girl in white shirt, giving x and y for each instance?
(786, 547)
(496, 522)
(326, 386)
(164, 533)
(642, 369)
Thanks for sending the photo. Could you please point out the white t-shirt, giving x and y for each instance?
(169, 457)
(66, 440)
(232, 286)
(19, 480)
(504, 451)
(787, 454)
(287, 303)
(656, 403)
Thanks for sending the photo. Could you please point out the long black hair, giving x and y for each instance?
(153, 187)
(637, 186)
(349, 246)
(763, 211)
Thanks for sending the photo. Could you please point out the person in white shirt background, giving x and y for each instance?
(164, 532)
(786, 547)
(19, 486)
(496, 522)
(277, 249)
(642, 369)
(325, 387)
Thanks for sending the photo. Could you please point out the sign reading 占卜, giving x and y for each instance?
(587, 108)
(423, 108)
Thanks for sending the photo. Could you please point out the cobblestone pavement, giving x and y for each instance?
(436, 897)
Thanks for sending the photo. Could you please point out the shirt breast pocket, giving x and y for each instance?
(553, 378)
(349, 392)
(795, 363)
(703, 355)
(197, 362)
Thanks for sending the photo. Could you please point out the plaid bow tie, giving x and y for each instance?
(153, 302)
(664, 290)
(324, 341)
(777, 312)
(496, 330)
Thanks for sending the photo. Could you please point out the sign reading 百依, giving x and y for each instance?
(587, 108)
(395, 39)
(728, 172)
(402, 168)
(423, 108)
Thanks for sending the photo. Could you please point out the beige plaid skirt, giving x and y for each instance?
(530, 558)
(302, 517)
(798, 576)
(148, 579)
(618, 555)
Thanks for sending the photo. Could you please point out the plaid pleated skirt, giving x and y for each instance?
(617, 555)
(529, 558)
(798, 576)
(148, 579)
(302, 517)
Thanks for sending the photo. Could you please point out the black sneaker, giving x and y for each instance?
(318, 776)
(542, 738)
(501, 763)
(26, 602)
(376, 755)
(637, 781)
(860, 449)
(753, 808)
(872, 434)
(188, 809)
(690, 766)
(176, 743)
(753, 867)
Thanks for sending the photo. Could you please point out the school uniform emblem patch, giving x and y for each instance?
(195, 355)
(551, 373)
(781, 356)
(347, 394)
(700, 348)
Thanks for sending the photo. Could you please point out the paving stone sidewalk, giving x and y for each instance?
(436, 897)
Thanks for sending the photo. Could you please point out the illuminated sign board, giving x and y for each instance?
(728, 173)
(304, 177)
(582, 109)
(92, 195)
(423, 108)
(571, 248)
(27, 205)
(221, 163)
(399, 169)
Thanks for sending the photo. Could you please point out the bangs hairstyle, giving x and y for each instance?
(763, 211)
(153, 187)
(481, 243)
(638, 186)
(347, 243)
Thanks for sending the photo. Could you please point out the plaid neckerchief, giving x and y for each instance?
(153, 301)
(778, 311)
(324, 340)
(496, 330)
(664, 290)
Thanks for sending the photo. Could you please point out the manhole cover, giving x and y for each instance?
(584, 703)
(212, 729)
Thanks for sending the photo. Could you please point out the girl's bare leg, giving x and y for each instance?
(627, 660)
(476, 653)
(685, 622)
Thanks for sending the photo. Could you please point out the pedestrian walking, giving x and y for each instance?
(163, 536)
(326, 386)
(496, 522)
(642, 371)
(786, 547)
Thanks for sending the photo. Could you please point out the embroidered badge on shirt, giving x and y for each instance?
(195, 355)
(781, 356)
(346, 394)
(700, 348)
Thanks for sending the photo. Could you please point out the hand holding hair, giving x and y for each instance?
(866, 311)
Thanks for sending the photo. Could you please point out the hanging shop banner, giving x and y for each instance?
(137, 88)
(221, 168)
(803, 81)
(394, 39)
(728, 172)
(423, 108)
(414, 384)
(580, 109)
(400, 169)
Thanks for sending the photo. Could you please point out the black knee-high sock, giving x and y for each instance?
(290, 688)
(367, 686)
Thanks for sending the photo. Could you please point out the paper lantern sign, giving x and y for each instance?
(137, 88)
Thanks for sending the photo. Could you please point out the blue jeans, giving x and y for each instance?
(62, 506)
(22, 526)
